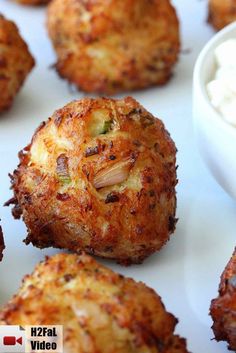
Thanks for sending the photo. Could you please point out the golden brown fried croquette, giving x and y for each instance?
(2, 244)
(99, 176)
(223, 308)
(221, 13)
(100, 311)
(111, 46)
(32, 2)
(15, 62)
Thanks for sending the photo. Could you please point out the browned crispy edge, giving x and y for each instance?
(2, 244)
(223, 308)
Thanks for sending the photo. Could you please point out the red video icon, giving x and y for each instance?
(11, 340)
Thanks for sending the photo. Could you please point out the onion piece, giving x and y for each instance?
(114, 174)
(62, 169)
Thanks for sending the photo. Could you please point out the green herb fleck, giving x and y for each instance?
(106, 126)
(64, 179)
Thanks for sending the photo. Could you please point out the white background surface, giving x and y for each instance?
(186, 272)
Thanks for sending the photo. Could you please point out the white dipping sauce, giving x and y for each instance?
(222, 89)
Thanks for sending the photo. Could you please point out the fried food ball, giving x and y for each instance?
(99, 176)
(15, 62)
(221, 13)
(223, 308)
(113, 46)
(2, 244)
(100, 311)
(33, 2)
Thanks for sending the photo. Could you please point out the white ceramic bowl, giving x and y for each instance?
(216, 138)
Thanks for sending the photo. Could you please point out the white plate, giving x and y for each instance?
(186, 272)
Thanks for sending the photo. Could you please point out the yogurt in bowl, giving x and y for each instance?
(214, 106)
(222, 89)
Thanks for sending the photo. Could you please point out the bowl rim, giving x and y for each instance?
(199, 84)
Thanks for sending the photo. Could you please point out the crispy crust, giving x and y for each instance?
(15, 62)
(2, 244)
(55, 190)
(100, 311)
(221, 13)
(111, 46)
(223, 308)
(33, 2)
